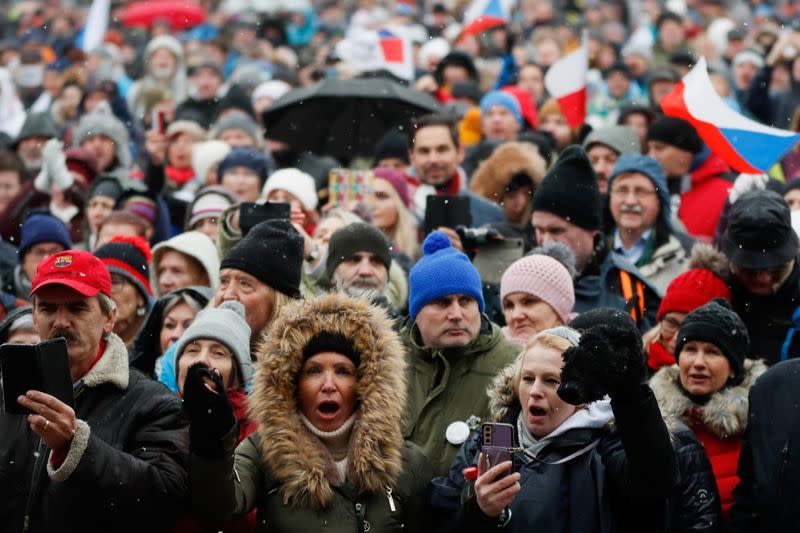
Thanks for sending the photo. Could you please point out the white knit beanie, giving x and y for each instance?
(206, 155)
(543, 277)
(297, 183)
(194, 244)
(227, 325)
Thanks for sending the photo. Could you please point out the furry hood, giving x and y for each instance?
(724, 416)
(508, 159)
(296, 459)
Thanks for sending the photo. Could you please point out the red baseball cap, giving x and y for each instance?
(77, 269)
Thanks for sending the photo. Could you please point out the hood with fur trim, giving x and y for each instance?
(295, 458)
(725, 415)
(494, 174)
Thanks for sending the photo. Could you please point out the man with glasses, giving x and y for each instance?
(640, 209)
(761, 246)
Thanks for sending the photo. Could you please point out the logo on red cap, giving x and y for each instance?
(63, 261)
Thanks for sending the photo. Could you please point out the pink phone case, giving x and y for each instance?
(496, 441)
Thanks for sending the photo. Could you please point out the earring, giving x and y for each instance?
(141, 311)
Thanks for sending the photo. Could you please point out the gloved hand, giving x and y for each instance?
(209, 411)
(608, 360)
(54, 161)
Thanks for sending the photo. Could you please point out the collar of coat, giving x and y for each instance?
(112, 368)
(296, 459)
(725, 415)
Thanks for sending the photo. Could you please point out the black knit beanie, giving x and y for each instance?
(569, 190)
(675, 132)
(603, 316)
(326, 341)
(717, 323)
(354, 238)
(272, 252)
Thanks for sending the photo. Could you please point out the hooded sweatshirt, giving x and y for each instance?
(197, 246)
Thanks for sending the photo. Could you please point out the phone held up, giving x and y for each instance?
(497, 444)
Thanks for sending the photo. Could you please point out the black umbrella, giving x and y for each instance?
(343, 118)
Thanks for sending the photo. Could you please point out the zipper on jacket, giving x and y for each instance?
(784, 464)
(392, 507)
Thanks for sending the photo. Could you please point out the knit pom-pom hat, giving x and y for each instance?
(442, 271)
(543, 277)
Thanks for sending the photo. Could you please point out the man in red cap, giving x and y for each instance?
(117, 462)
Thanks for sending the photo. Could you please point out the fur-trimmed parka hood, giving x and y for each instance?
(296, 459)
(494, 174)
(725, 415)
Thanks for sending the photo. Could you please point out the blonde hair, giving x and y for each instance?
(544, 339)
(404, 232)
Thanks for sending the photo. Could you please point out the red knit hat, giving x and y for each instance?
(692, 289)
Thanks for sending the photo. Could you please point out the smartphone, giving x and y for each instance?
(251, 213)
(158, 121)
(349, 185)
(447, 211)
(43, 367)
(497, 439)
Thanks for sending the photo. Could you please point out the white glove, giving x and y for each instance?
(55, 163)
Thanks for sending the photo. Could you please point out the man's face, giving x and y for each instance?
(550, 227)
(743, 74)
(517, 203)
(60, 311)
(103, 149)
(671, 35)
(162, 64)
(451, 321)
(531, 80)
(236, 138)
(762, 282)
(434, 155)
(10, 184)
(30, 151)
(659, 89)
(634, 203)
(638, 65)
(362, 274)
(252, 293)
(207, 82)
(673, 160)
(38, 253)
(603, 159)
(618, 84)
(500, 124)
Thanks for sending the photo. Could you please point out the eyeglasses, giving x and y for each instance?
(638, 192)
(117, 283)
(670, 324)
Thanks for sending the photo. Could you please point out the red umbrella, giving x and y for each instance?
(180, 14)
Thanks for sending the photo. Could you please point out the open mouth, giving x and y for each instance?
(328, 409)
(537, 411)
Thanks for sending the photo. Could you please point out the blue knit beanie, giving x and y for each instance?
(442, 271)
(646, 166)
(43, 228)
(504, 99)
(244, 157)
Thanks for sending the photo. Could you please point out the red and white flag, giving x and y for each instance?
(566, 82)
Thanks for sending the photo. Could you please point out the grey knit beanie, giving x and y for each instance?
(101, 121)
(225, 324)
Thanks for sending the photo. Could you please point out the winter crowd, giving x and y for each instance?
(343, 366)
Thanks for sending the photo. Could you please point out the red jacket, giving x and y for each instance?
(702, 205)
(724, 457)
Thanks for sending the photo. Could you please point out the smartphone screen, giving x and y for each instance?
(43, 367)
(447, 211)
(251, 213)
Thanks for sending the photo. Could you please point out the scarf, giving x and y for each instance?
(179, 176)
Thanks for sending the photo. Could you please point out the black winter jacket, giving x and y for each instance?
(695, 503)
(767, 498)
(126, 469)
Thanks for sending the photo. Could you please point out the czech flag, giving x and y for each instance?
(746, 145)
(482, 15)
(566, 82)
(396, 52)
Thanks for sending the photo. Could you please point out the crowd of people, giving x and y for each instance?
(623, 303)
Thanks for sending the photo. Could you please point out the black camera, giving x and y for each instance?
(473, 238)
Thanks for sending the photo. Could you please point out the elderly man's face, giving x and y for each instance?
(30, 151)
(602, 159)
(451, 321)
(60, 311)
(362, 274)
(634, 203)
(103, 148)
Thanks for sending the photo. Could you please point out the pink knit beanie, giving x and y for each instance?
(543, 277)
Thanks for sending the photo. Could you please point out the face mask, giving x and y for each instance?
(29, 76)
(161, 73)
